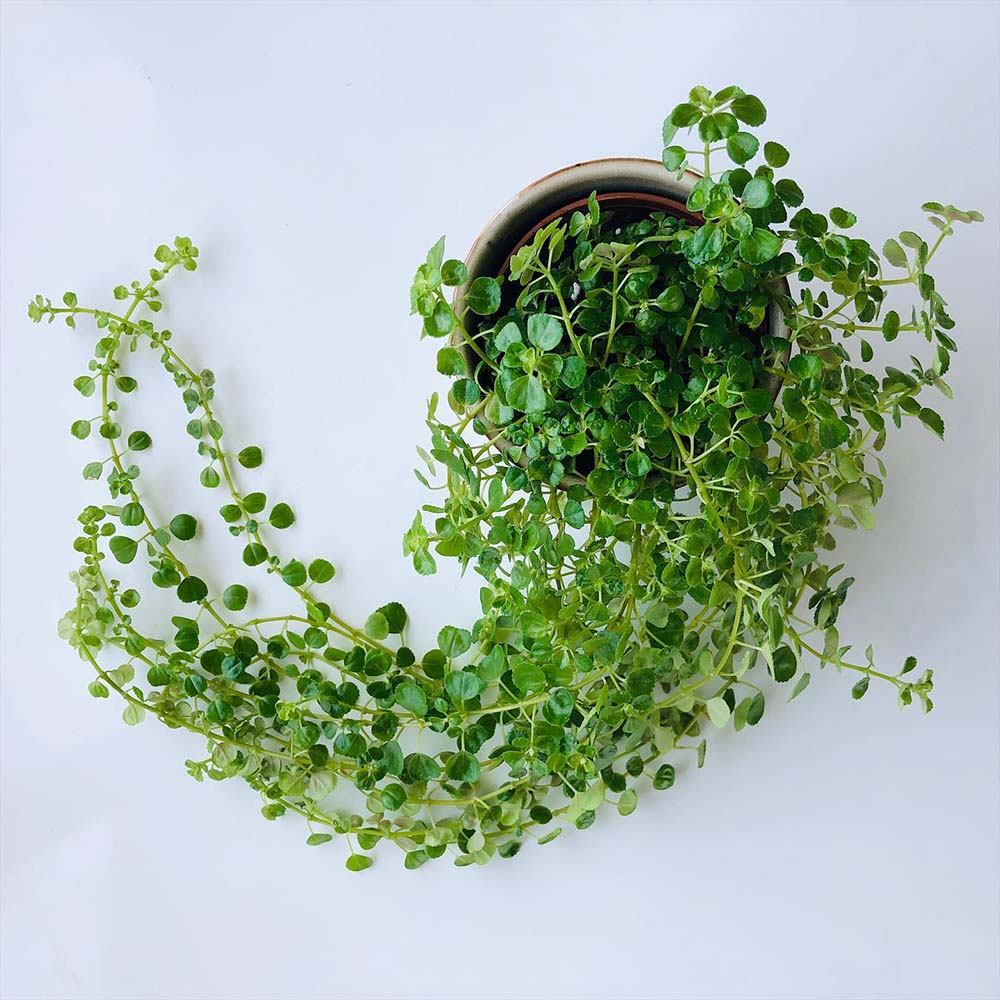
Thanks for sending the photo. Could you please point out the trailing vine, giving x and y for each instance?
(645, 511)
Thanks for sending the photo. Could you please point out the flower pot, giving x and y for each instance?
(623, 183)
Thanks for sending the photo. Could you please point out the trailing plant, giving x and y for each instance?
(645, 517)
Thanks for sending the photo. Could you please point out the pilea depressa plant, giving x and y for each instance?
(644, 476)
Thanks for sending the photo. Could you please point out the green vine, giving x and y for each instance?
(646, 514)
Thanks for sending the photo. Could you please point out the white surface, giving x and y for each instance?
(314, 151)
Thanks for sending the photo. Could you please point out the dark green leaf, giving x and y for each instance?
(235, 597)
(184, 527)
(192, 589)
(749, 109)
(483, 296)
(775, 154)
(462, 766)
(684, 115)
(742, 147)
(282, 516)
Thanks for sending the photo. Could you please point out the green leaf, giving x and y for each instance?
(235, 597)
(254, 503)
(315, 839)
(123, 548)
(462, 685)
(718, 711)
(320, 785)
(376, 626)
(670, 299)
(800, 685)
(673, 157)
(133, 714)
(184, 527)
(785, 664)
(294, 574)
(80, 429)
(759, 247)
(544, 331)
(643, 511)
(282, 516)
(192, 589)
(890, 325)
(894, 253)
(132, 514)
(465, 392)
(483, 296)
(454, 641)
(758, 401)
(705, 245)
(462, 766)
(627, 802)
(251, 457)
(638, 464)
(527, 394)
(742, 147)
(411, 696)
(395, 616)
(454, 272)
(358, 862)
(775, 154)
(574, 372)
(254, 554)
(859, 689)
(805, 366)
(420, 767)
(321, 571)
(841, 218)
(757, 193)
(450, 361)
(508, 335)
(833, 432)
(559, 706)
(219, 711)
(932, 421)
(684, 115)
(664, 777)
(789, 192)
(528, 676)
(749, 109)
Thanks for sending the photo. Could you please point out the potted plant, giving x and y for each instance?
(652, 442)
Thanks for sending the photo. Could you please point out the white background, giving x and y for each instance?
(314, 151)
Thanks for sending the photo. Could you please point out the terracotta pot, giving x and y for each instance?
(620, 182)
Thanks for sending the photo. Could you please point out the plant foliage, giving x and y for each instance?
(646, 513)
